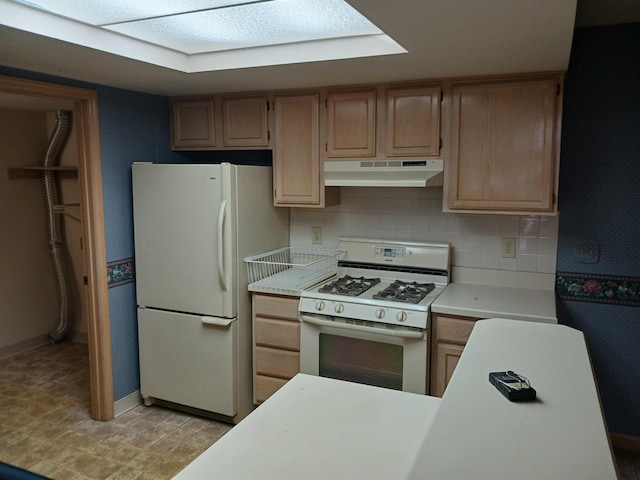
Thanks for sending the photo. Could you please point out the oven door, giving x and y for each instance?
(364, 352)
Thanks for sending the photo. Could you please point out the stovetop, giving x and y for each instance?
(382, 281)
(405, 292)
(367, 307)
(349, 286)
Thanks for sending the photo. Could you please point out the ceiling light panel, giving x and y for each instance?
(101, 12)
(250, 25)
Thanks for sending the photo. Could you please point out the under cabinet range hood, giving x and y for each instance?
(383, 173)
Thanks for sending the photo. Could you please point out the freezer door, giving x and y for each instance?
(183, 228)
(189, 359)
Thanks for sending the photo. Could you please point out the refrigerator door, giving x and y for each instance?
(189, 359)
(183, 237)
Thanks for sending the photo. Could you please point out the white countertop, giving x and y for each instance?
(479, 434)
(319, 428)
(485, 301)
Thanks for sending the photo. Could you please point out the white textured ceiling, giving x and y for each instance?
(444, 38)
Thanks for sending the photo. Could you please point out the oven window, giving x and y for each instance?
(361, 361)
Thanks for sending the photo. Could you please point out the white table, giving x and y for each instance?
(479, 434)
(318, 428)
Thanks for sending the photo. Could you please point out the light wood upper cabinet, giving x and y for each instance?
(193, 124)
(244, 121)
(212, 123)
(504, 145)
(413, 121)
(296, 159)
(383, 121)
(297, 176)
(351, 124)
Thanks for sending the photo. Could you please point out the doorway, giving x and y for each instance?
(85, 102)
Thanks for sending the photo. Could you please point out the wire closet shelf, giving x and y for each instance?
(291, 269)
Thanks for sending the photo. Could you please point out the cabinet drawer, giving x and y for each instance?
(264, 387)
(451, 329)
(276, 363)
(276, 306)
(270, 332)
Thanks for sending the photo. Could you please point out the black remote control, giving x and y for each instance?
(513, 386)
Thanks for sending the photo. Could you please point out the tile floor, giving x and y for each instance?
(46, 427)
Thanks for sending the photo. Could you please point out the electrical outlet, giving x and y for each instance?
(508, 247)
(316, 235)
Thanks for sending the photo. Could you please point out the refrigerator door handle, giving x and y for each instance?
(218, 322)
(222, 213)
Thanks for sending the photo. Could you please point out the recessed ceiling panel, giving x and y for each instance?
(275, 22)
(104, 12)
(193, 35)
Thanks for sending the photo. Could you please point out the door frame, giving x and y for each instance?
(92, 211)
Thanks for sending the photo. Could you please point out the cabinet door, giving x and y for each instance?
(413, 121)
(276, 363)
(296, 162)
(351, 124)
(192, 124)
(446, 356)
(244, 122)
(264, 387)
(503, 145)
(449, 336)
(271, 332)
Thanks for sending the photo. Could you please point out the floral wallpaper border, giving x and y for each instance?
(120, 272)
(598, 288)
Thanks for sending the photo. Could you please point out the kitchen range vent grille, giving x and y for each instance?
(289, 270)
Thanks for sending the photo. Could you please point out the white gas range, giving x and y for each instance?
(370, 323)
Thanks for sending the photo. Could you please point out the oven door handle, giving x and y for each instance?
(361, 328)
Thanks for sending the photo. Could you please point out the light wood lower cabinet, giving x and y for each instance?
(449, 336)
(276, 343)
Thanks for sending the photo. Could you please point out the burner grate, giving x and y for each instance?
(405, 292)
(349, 286)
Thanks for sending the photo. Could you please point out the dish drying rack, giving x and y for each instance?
(291, 269)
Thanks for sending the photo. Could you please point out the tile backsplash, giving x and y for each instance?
(416, 214)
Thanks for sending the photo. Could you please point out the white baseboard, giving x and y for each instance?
(23, 346)
(127, 403)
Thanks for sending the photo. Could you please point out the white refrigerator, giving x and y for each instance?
(193, 227)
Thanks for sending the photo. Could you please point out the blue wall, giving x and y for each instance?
(134, 127)
(599, 203)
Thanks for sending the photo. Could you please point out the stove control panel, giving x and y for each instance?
(401, 315)
(390, 252)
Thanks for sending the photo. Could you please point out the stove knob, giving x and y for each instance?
(402, 316)
(339, 308)
(320, 305)
(380, 313)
